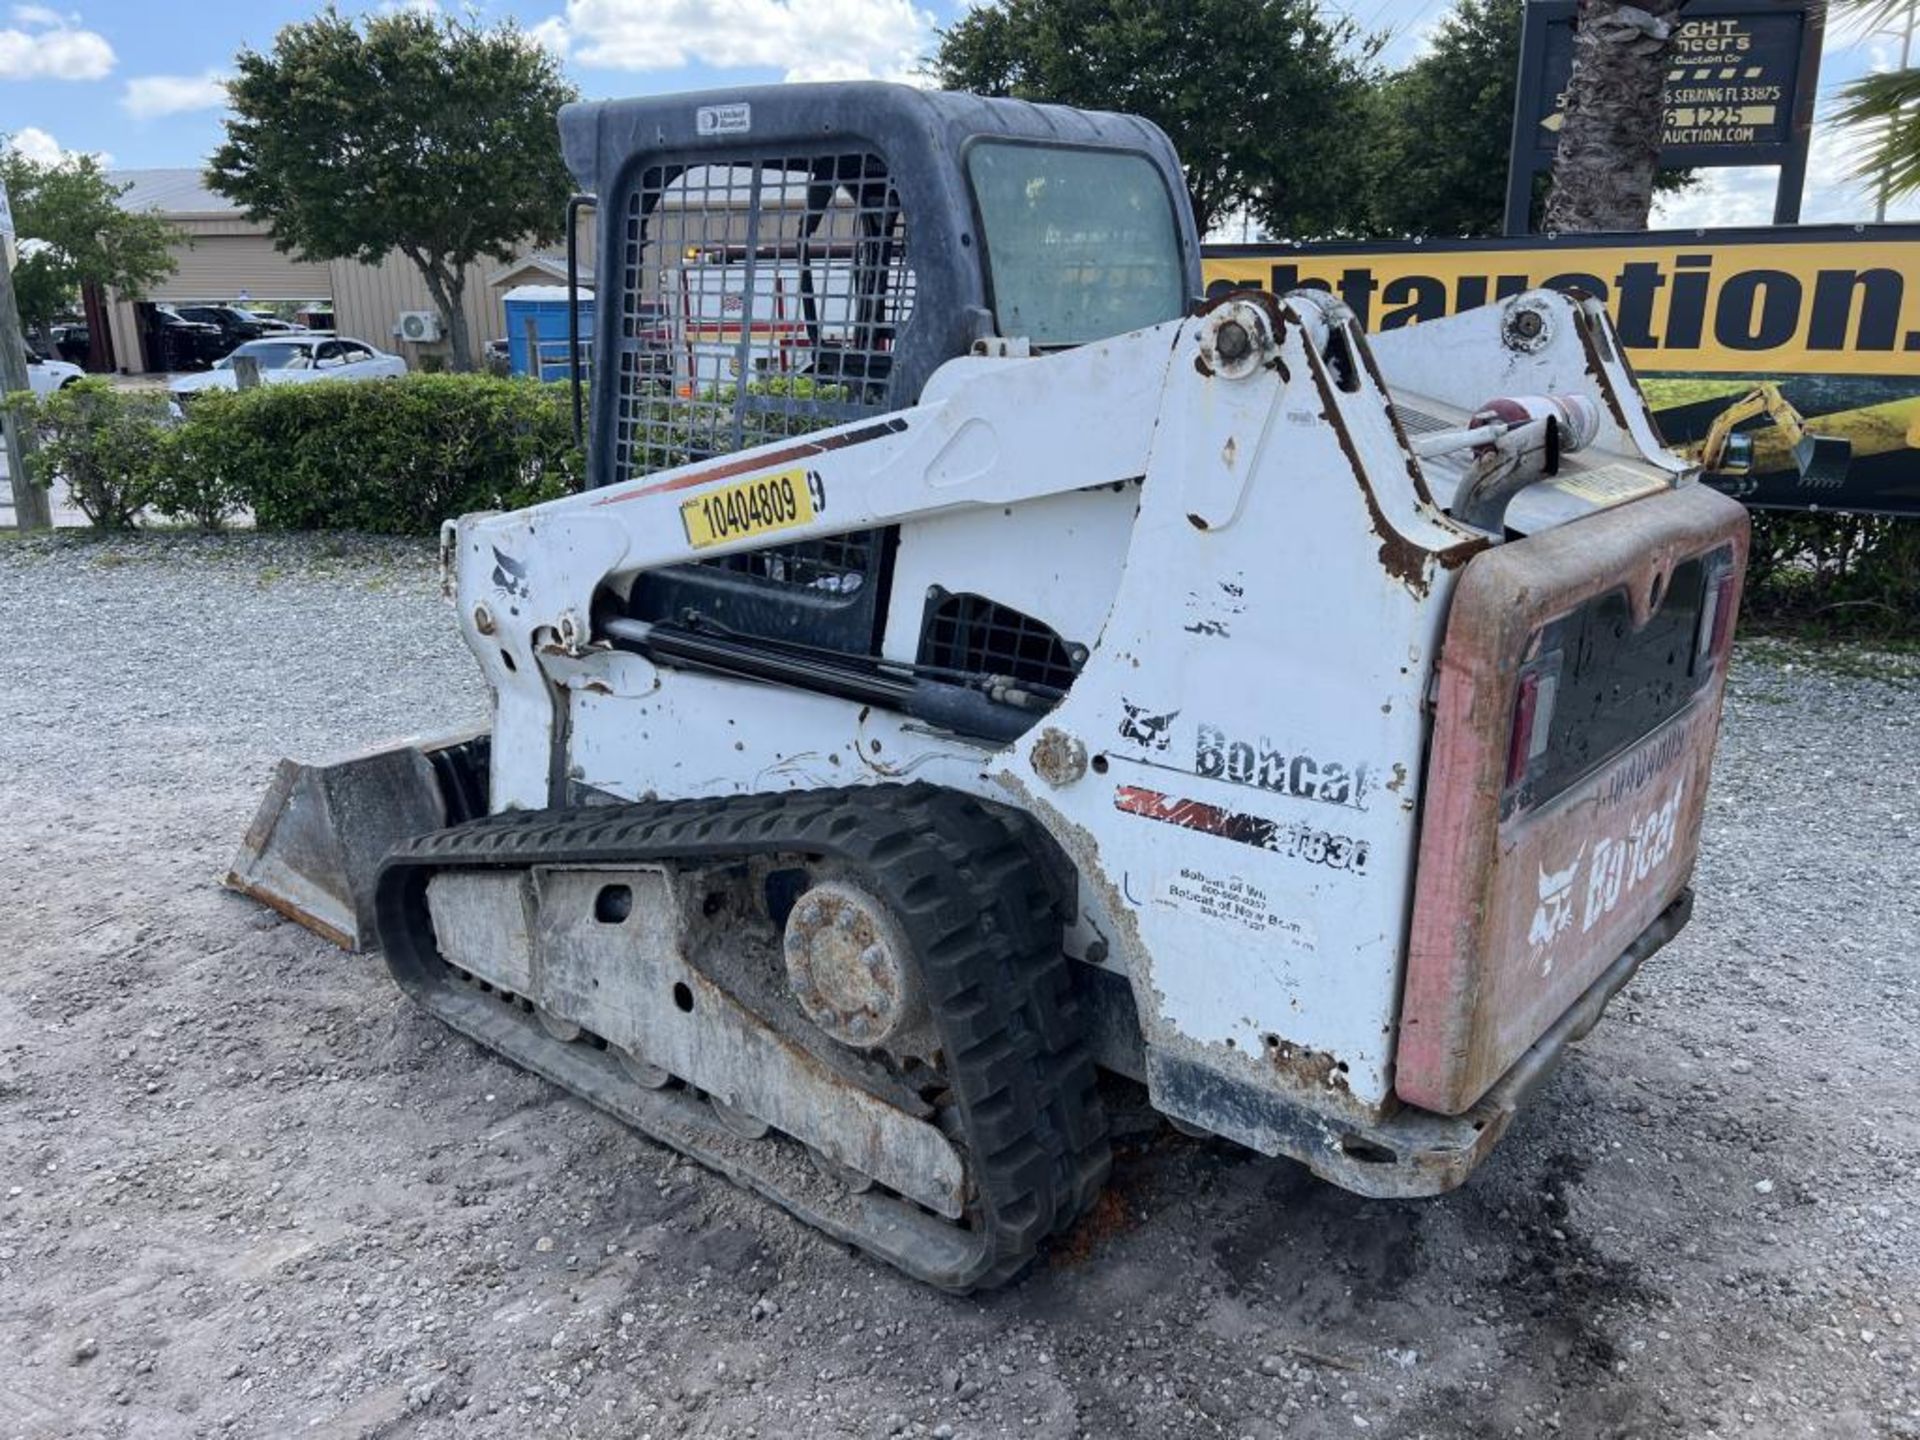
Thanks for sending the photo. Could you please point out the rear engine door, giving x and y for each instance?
(1577, 711)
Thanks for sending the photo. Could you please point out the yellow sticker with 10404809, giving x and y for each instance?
(746, 508)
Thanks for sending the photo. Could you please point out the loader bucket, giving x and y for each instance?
(322, 830)
(1822, 459)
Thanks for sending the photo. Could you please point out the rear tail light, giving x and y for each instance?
(1532, 719)
(1716, 614)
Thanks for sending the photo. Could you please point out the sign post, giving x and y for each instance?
(31, 510)
(1740, 87)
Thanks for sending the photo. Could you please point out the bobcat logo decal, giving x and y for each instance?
(510, 575)
(1555, 912)
(1152, 731)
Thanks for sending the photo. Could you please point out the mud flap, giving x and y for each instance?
(318, 838)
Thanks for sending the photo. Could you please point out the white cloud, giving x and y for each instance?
(151, 96)
(1743, 195)
(551, 34)
(43, 45)
(32, 143)
(805, 39)
(41, 148)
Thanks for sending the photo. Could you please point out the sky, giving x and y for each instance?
(138, 81)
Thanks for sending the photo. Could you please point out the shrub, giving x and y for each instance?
(195, 482)
(107, 444)
(1835, 575)
(399, 456)
(390, 457)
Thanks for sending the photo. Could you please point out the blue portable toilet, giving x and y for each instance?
(546, 307)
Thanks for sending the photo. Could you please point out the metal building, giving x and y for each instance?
(226, 258)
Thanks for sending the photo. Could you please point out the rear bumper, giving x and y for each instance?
(1414, 1153)
(1435, 1153)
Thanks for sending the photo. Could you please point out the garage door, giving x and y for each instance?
(219, 267)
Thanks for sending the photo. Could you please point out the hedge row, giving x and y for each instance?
(1856, 576)
(399, 456)
(390, 457)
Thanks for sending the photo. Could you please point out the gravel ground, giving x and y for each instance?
(246, 1190)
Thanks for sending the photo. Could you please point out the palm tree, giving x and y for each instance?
(1886, 106)
(1609, 150)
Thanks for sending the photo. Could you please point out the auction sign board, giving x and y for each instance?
(1824, 318)
(1739, 90)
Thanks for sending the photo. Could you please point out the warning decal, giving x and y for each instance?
(1611, 484)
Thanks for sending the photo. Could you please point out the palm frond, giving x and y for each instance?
(1866, 17)
(1885, 109)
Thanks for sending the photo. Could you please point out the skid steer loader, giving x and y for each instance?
(977, 663)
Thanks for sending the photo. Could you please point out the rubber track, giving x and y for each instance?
(968, 882)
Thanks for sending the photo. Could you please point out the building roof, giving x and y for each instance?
(538, 294)
(532, 269)
(172, 192)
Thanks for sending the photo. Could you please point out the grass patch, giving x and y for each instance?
(1896, 662)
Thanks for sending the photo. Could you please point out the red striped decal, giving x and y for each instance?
(746, 466)
(1295, 841)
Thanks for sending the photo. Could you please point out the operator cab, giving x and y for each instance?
(780, 259)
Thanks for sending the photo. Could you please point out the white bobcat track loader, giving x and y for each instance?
(1031, 671)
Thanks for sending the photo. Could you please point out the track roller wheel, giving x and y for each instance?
(565, 1031)
(738, 1121)
(643, 1074)
(844, 1176)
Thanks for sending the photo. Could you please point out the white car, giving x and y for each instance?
(46, 376)
(294, 360)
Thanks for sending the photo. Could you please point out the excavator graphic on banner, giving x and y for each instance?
(1822, 460)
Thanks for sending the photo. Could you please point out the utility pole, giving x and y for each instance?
(31, 510)
(1912, 13)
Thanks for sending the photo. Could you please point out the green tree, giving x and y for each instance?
(87, 239)
(1262, 98)
(407, 132)
(1886, 108)
(1442, 127)
(1438, 164)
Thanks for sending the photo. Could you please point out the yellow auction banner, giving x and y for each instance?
(1829, 315)
(1840, 305)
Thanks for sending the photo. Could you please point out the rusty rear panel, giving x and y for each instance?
(1531, 884)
